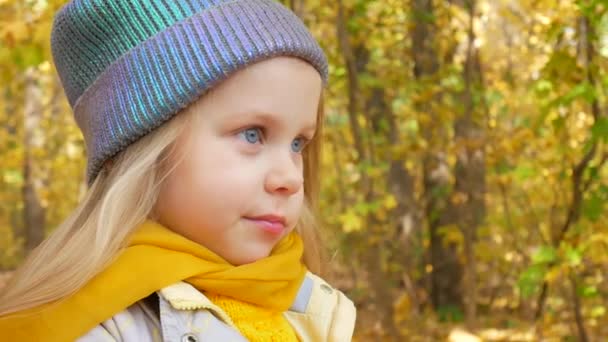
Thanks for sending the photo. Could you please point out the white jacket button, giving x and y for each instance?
(189, 338)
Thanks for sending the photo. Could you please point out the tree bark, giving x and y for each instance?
(470, 184)
(355, 59)
(11, 125)
(353, 84)
(578, 314)
(33, 212)
(446, 271)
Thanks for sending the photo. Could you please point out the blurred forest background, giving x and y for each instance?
(465, 178)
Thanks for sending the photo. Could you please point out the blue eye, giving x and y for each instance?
(252, 135)
(298, 145)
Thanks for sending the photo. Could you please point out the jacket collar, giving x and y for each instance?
(183, 296)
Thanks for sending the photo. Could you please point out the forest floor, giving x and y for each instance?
(491, 328)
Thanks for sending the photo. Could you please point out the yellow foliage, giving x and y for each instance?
(554, 274)
(10, 248)
(14, 32)
(402, 308)
(451, 234)
(390, 201)
(350, 222)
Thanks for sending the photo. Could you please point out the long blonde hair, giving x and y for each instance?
(121, 198)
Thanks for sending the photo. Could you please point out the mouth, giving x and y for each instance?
(273, 224)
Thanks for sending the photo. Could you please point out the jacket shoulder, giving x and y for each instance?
(135, 323)
(328, 314)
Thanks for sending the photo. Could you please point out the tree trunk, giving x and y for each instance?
(11, 126)
(33, 212)
(355, 61)
(470, 186)
(446, 271)
(578, 314)
(403, 219)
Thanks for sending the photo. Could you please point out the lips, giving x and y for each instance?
(273, 224)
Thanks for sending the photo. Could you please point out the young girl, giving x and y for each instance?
(202, 121)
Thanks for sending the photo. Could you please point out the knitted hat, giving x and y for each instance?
(127, 66)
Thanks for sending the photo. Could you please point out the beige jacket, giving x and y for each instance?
(319, 313)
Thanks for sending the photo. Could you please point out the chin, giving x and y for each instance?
(250, 257)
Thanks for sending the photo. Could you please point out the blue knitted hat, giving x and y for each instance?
(127, 66)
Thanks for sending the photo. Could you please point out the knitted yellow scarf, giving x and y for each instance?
(256, 323)
(157, 257)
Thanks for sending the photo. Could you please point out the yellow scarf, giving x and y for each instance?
(256, 323)
(157, 257)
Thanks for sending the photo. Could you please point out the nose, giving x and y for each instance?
(285, 175)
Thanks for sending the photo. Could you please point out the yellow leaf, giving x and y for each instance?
(351, 222)
(450, 233)
(17, 31)
(390, 202)
(553, 275)
(402, 308)
(381, 214)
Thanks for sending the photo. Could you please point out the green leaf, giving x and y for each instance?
(424, 16)
(590, 8)
(544, 255)
(370, 80)
(453, 82)
(493, 96)
(13, 176)
(27, 55)
(592, 206)
(340, 71)
(411, 126)
(574, 257)
(592, 173)
(523, 172)
(530, 280)
(450, 313)
(587, 291)
(543, 87)
(583, 90)
(599, 130)
(503, 166)
(559, 123)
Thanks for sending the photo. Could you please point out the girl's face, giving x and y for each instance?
(239, 189)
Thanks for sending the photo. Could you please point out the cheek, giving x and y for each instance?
(297, 202)
(220, 174)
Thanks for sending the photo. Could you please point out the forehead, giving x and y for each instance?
(278, 88)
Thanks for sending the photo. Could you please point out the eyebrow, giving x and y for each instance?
(271, 119)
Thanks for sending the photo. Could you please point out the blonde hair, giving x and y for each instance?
(121, 198)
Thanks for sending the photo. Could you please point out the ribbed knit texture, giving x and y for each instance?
(256, 323)
(129, 66)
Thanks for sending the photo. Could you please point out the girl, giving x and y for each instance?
(202, 121)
